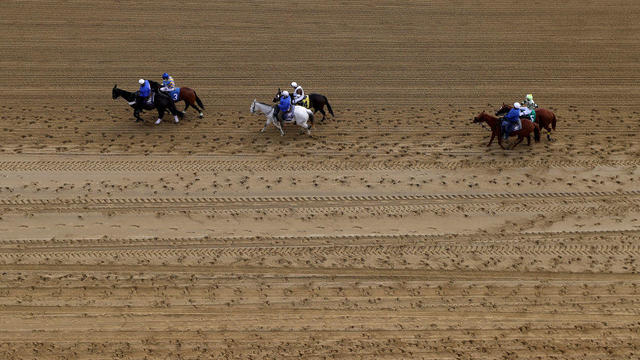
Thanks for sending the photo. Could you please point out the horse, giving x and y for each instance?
(302, 116)
(188, 95)
(316, 101)
(495, 124)
(161, 103)
(546, 119)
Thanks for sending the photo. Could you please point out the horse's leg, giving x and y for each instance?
(193, 105)
(278, 124)
(520, 138)
(160, 115)
(266, 123)
(186, 103)
(493, 135)
(528, 139)
(548, 128)
(136, 114)
(324, 115)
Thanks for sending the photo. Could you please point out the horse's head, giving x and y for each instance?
(253, 107)
(277, 97)
(503, 110)
(482, 117)
(114, 93)
(154, 85)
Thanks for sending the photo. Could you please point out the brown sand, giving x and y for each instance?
(391, 232)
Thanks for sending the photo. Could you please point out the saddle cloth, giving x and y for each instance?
(289, 115)
(304, 102)
(175, 94)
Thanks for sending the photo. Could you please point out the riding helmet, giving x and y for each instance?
(285, 93)
(141, 81)
(516, 105)
(165, 76)
(294, 84)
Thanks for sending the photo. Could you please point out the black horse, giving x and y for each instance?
(162, 103)
(316, 101)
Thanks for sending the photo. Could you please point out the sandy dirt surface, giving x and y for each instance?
(391, 232)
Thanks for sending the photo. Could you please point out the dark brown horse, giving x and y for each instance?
(316, 103)
(546, 119)
(495, 124)
(188, 95)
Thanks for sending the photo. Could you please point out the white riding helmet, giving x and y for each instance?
(285, 93)
(141, 81)
(294, 84)
(529, 97)
(516, 105)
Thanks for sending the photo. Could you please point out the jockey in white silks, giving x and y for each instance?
(298, 93)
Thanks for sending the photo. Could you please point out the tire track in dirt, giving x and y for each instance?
(292, 165)
(502, 202)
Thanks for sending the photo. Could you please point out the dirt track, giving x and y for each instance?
(392, 232)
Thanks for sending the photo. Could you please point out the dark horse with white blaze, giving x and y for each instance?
(188, 95)
(316, 103)
(161, 102)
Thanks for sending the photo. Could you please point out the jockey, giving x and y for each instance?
(528, 102)
(167, 83)
(298, 93)
(284, 105)
(143, 93)
(512, 118)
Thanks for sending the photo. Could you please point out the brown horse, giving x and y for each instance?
(188, 95)
(546, 119)
(495, 124)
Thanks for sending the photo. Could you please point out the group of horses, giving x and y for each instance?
(161, 102)
(545, 119)
(302, 116)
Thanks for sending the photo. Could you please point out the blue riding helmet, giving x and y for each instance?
(165, 76)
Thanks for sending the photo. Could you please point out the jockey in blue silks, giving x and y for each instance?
(168, 84)
(284, 105)
(143, 93)
(512, 119)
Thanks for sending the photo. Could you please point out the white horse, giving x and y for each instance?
(301, 115)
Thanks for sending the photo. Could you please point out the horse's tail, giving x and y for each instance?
(328, 106)
(553, 122)
(536, 132)
(198, 100)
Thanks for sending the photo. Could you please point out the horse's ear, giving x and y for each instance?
(115, 86)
